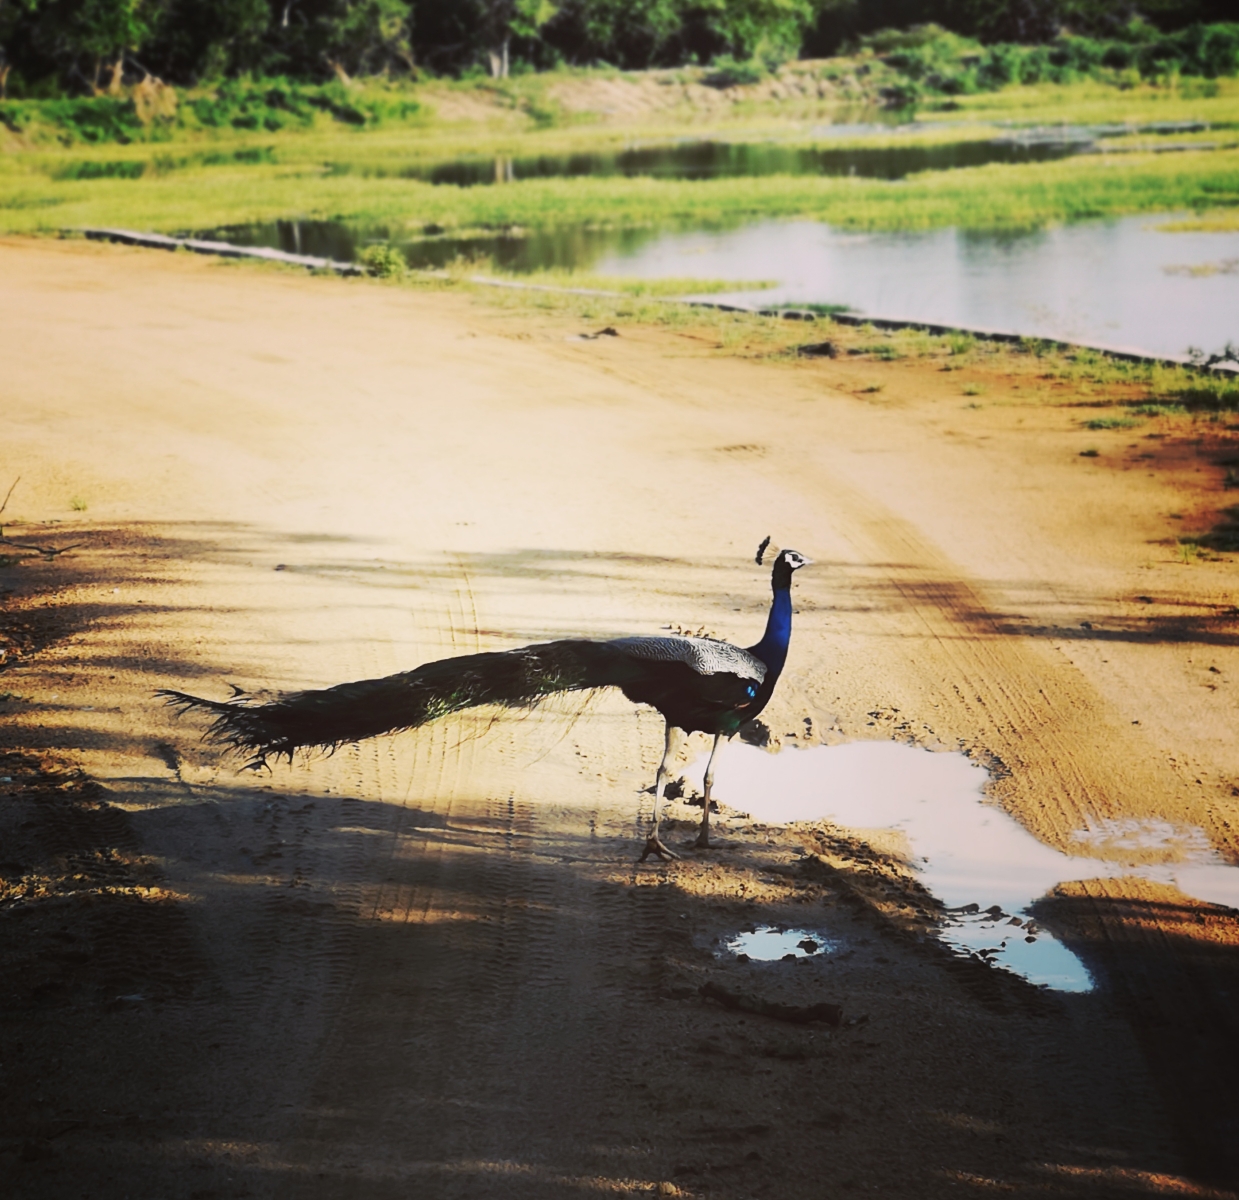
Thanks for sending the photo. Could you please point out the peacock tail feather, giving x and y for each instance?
(349, 712)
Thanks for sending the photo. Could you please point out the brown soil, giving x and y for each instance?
(428, 965)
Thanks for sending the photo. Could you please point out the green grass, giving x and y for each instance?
(627, 285)
(1223, 220)
(1093, 102)
(993, 197)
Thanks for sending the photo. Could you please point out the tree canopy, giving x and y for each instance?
(48, 46)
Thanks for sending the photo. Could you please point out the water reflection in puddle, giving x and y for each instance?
(981, 863)
(771, 943)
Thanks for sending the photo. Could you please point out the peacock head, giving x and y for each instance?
(785, 564)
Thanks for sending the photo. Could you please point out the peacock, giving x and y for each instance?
(697, 683)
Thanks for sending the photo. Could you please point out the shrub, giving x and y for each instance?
(943, 62)
(93, 119)
(726, 72)
(902, 95)
(384, 261)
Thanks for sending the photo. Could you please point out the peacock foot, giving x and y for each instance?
(654, 845)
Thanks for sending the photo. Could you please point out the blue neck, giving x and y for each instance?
(772, 649)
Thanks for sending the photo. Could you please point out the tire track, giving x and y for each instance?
(1069, 761)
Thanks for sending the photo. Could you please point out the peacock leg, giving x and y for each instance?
(703, 834)
(654, 844)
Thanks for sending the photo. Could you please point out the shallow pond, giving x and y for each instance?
(985, 867)
(1119, 283)
(726, 160)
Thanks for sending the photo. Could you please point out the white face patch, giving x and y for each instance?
(795, 560)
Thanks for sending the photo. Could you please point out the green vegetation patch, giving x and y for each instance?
(933, 60)
(630, 286)
(161, 113)
(1026, 196)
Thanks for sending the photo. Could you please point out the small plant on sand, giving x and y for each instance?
(973, 389)
(1111, 423)
(886, 351)
(871, 387)
(77, 504)
(1090, 453)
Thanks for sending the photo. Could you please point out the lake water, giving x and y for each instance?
(980, 862)
(1121, 283)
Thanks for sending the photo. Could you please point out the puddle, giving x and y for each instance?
(771, 943)
(981, 863)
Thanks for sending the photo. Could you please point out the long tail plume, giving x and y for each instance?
(351, 712)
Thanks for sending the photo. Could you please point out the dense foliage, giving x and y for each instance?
(50, 47)
(934, 60)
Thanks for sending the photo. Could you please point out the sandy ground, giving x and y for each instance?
(428, 966)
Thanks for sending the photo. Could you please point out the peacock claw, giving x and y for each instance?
(654, 845)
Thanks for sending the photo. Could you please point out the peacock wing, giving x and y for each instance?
(705, 656)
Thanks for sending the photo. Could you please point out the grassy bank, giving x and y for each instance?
(388, 148)
(990, 197)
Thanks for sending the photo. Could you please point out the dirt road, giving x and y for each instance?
(428, 966)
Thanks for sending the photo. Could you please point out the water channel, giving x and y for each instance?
(984, 866)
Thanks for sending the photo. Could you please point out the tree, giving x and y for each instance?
(11, 13)
(644, 33)
(208, 39)
(626, 33)
(368, 36)
(748, 27)
(91, 37)
(502, 19)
